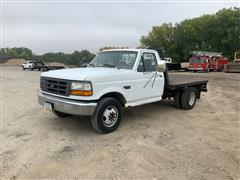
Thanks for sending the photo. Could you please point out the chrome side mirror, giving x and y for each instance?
(161, 68)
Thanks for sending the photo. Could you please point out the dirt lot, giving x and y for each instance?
(153, 141)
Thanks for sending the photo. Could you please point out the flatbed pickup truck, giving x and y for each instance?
(41, 66)
(114, 80)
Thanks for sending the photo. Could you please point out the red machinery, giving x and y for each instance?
(207, 61)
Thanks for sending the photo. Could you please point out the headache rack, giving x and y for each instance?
(55, 86)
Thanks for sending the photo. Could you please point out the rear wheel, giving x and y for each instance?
(60, 114)
(177, 99)
(188, 98)
(208, 69)
(221, 69)
(107, 116)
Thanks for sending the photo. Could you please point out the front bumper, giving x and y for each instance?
(195, 69)
(68, 106)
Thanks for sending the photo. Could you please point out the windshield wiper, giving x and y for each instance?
(92, 65)
(102, 65)
(109, 65)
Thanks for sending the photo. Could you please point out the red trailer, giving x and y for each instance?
(207, 61)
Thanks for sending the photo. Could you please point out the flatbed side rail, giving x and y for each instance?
(201, 84)
(172, 86)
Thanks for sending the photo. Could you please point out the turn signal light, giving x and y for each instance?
(81, 92)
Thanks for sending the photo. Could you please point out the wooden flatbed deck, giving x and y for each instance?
(176, 81)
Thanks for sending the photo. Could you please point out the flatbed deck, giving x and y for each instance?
(40, 65)
(176, 81)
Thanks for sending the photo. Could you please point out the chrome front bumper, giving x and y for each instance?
(195, 69)
(68, 106)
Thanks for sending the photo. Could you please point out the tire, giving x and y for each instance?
(107, 115)
(221, 69)
(188, 98)
(195, 71)
(60, 114)
(208, 70)
(177, 99)
(23, 68)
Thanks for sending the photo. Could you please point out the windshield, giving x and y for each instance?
(119, 59)
(197, 60)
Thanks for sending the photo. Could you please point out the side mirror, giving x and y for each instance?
(161, 68)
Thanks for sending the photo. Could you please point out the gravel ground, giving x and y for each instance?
(153, 141)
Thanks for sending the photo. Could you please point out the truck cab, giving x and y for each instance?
(125, 72)
(113, 80)
(27, 65)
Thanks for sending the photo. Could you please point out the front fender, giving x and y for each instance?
(111, 90)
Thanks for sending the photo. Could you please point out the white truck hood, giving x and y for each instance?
(81, 73)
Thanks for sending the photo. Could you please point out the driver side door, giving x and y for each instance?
(149, 81)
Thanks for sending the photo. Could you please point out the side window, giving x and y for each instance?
(140, 66)
(147, 63)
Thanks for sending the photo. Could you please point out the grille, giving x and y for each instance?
(55, 86)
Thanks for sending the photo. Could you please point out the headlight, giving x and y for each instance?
(81, 89)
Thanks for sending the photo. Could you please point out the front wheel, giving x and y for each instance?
(107, 116)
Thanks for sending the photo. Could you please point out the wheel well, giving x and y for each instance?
(198, 90)
(117, 96)
(171, 93)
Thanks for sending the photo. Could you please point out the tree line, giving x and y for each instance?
(22, 53)
(76, 58)
(219, 32)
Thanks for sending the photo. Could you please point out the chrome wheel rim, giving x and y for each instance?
(192, 98)
(110, 116)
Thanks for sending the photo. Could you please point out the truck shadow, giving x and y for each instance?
(132, 115)
(74, 124)
(148, 111)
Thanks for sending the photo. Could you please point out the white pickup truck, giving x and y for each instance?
(27, 65)
(114, 80)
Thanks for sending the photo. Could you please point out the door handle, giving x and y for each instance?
(127, 87)
(149, 72)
